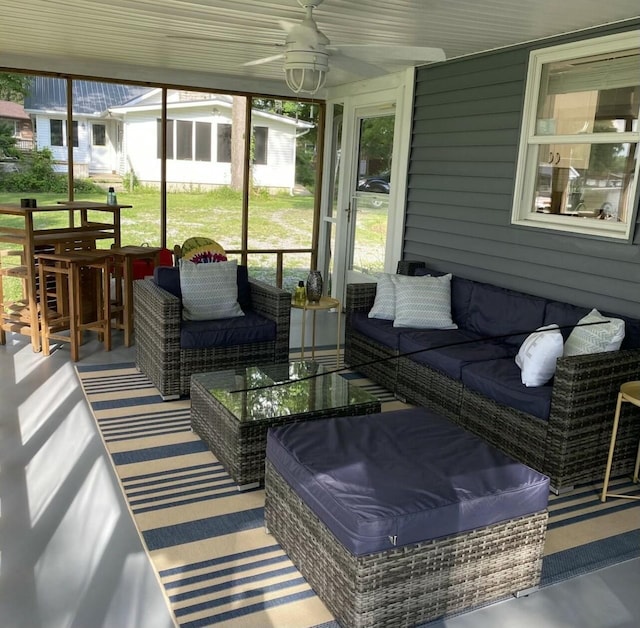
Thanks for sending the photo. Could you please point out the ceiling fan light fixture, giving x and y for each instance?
(306, 71)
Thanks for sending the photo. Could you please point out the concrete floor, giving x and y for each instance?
(70, 555)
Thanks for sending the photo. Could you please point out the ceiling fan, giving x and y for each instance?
(308, 54)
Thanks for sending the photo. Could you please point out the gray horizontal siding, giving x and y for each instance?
(466, 131)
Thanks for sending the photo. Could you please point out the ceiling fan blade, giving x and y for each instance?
(392, 53)
(265, 60)
(355, 66)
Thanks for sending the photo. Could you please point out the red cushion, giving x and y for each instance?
(144, 268)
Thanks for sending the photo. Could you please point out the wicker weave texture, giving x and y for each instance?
(157, 320)
(430, 388)
(407, 585)
(372, 360)
(570, 447)
(240, 445)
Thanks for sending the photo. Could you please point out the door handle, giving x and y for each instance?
(557, 158)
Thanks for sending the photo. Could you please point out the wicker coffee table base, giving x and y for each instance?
(411, 584)
(240, 445)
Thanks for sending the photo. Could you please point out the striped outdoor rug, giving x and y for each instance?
(207, 541)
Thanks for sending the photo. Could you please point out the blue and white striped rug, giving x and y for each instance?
(207, 541)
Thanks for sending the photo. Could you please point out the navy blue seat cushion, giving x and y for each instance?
(383, 332)
(406, 476)
(168, 278)
(449, 350)
(497, 311)
(500, 380)
(226, 332)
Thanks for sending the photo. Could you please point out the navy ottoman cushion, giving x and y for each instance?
(403, 477)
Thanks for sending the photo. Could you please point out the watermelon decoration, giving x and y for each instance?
(203, 250)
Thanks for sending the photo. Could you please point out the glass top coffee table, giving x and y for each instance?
(232, 410)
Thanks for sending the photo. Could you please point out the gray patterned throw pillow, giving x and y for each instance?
(209, 291)
(595, 333)
(423, 302)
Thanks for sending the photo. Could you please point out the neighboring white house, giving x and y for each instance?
(116, 129)
(199, 140)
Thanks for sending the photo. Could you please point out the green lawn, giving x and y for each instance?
(275, 222)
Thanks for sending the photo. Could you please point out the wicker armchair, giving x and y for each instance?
(159, 355)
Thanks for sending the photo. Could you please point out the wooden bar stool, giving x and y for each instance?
(629, 393)
(64, 309)
(124, 256)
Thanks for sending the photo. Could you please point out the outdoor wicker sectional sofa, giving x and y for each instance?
(561, 429)
(169, 350)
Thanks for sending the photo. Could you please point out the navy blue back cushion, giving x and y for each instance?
(566, 316)
(168, 278)
(497, 311)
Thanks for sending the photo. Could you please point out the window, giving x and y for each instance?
(578, 166)
(224, 143)
(170, 153)
(260, 140)
(57, 132)
(203, 141)
(99, 135)
(184, 139)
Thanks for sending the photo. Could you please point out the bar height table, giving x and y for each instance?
(17, 227)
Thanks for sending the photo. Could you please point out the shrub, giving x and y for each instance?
(36, 174)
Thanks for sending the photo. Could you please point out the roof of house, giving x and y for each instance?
(89, 97)
(14, 110)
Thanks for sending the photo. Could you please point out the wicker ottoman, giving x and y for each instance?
(400, 518)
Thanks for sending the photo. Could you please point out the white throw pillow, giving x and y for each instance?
(384, 305)
(538, 355)
(209, 291)
(607, 335)
(423, 302)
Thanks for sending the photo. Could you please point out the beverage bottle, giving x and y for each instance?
(111, 197)
(300, 295)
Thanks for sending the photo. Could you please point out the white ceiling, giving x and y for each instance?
(205, 42)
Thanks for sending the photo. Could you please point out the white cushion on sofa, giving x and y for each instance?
(423, 302)
(209, 291)
(384, 305)
(607, 335)
(538, 355)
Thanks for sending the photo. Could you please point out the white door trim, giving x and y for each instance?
(392, 90)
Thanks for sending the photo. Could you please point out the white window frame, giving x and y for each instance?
(524, 192)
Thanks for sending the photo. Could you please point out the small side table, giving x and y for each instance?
(325, 303)
(629, 393)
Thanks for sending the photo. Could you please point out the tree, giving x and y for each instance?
(7, 141)
(376, 143)
(14, 87)
(604, 157)
(307, 142)
(238, 115)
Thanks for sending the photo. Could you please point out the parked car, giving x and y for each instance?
(377, 183)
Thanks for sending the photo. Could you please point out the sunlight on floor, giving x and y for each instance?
(77, 546)
(61, 451)
(26, 361)
(45, 400)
